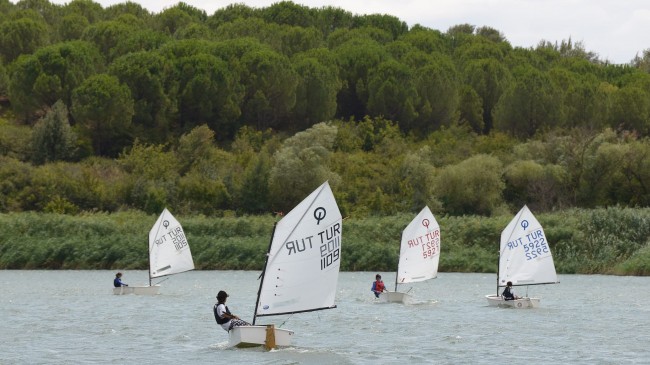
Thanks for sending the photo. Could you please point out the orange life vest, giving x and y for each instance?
(380, 286)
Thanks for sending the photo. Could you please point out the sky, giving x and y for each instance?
(616, 30)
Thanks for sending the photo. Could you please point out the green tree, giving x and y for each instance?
(107, 36)
(208, 93)
(631, 109)
(391, 24)
(103, 109)
(194, 146)
(317, 87)
(579, 98)
(288, 13)
(438, 89)
(530, 104)
(426, 40)
(89, 9)
(172, 19)
(417, 181)
(141, 40)
(392, 94)
(52, 137)
(230, 13)
(253, 196)
(270, 88)
(301, 165)
(473, 186)
(153, 177)
(541, 187)
(4, 80)
(129, 7)
(356, 58)
(329, 18)
(470, 109)
(147, 74)
(199, 193)
(21, 36)
(72, 27)
(15, 176)
(489, 78)
(39, 80)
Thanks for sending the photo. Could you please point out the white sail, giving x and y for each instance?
(169, 252)
(420, 249)
(525, 255)
(304, 257)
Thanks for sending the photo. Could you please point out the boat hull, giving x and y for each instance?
(396, 297)
(522, 303)
(137, 290)
(254, 336)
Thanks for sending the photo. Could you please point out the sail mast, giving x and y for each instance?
(259, 291)
(397, 273)
(149, 260)
(498, 266)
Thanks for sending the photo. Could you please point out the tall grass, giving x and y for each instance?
(604, 241)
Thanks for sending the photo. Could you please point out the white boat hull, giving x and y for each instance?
(137, 290)
(396, 297)
(498, 301)
(253, 336)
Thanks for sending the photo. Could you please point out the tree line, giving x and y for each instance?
(246, 110)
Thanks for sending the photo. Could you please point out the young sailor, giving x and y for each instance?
(223, 316)
(507, 292)
(117, 282)
(378, 286)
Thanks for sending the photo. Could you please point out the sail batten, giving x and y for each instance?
(302, 267)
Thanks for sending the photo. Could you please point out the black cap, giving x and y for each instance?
(222, 295)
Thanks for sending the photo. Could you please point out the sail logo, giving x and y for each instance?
(319, 214)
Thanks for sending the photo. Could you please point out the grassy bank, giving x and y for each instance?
(598, 241)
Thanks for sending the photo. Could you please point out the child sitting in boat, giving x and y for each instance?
(378, 286)
(223, 316)
(117, 282)
(507, 292)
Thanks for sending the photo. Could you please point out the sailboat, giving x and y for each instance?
(524, 259)
(419, 255)
(301, 269)
(169, 253)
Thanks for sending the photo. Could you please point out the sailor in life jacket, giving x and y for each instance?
(378, 286)
(507, 292)
(223, 316)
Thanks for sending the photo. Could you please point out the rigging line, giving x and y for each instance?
(285, 321)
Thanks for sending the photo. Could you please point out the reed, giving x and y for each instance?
(587, 241)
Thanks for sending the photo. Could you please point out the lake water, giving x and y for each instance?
(71, 317)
